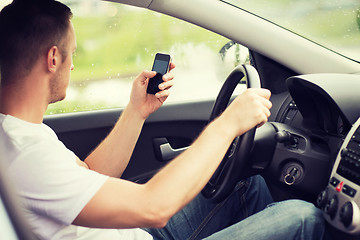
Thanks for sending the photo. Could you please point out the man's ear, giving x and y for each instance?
(53, 59)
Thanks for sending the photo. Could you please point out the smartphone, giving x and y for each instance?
(161, 66)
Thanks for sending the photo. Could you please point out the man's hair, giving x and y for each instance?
(28, 29)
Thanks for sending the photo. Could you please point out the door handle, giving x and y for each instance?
(164, 151)
(168, 153)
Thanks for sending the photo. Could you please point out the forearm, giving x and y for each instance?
(125, 204)
(112, 156)
(182, 179)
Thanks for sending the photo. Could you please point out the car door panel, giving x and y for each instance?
(178, 124)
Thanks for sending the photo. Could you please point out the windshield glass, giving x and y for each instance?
(332, 24)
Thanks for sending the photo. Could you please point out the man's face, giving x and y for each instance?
(60, 81)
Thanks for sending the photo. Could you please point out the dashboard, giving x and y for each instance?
(330, 109)
(327, 102)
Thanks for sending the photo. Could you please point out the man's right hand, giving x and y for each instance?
(144, 103)
(250, 109)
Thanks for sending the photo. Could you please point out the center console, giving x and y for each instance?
(340, 201)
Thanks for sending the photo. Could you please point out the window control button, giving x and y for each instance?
(334, 181)
(348, 190)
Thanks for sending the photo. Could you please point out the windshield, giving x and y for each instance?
(332, 24)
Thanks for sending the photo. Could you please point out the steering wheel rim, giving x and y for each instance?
(230, 169)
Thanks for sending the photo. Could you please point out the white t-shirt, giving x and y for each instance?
(52, 186)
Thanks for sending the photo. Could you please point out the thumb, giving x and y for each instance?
(145, 75)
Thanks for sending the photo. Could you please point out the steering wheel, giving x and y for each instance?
(231, 168)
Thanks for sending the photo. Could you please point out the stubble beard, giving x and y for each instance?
(57, 89)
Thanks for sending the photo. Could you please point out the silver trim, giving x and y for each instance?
(354, 227)
(169, 153)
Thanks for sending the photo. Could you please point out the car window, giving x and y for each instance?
(116, 42)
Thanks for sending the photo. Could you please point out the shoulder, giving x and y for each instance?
(21, 133)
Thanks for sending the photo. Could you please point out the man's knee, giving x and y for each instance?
(303, 210)
(301, 219)
(297, 211)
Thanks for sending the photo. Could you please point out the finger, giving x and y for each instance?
(265, 117)
(172, 66)
(261, 95)
(263, 92)
(260, 124)
(267, 112)
(162, 94)
(168, 76)
(166, 85)
(264, 112)
(261, 114)
(266, 103)
(144, 75)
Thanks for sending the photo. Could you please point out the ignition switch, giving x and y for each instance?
(292, 173)
(289, 178)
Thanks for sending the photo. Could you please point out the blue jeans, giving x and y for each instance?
(248, 213)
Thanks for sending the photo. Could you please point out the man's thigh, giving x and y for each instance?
(202, 217)
(292, 219)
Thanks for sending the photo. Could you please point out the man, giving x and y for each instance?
(60, 193)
